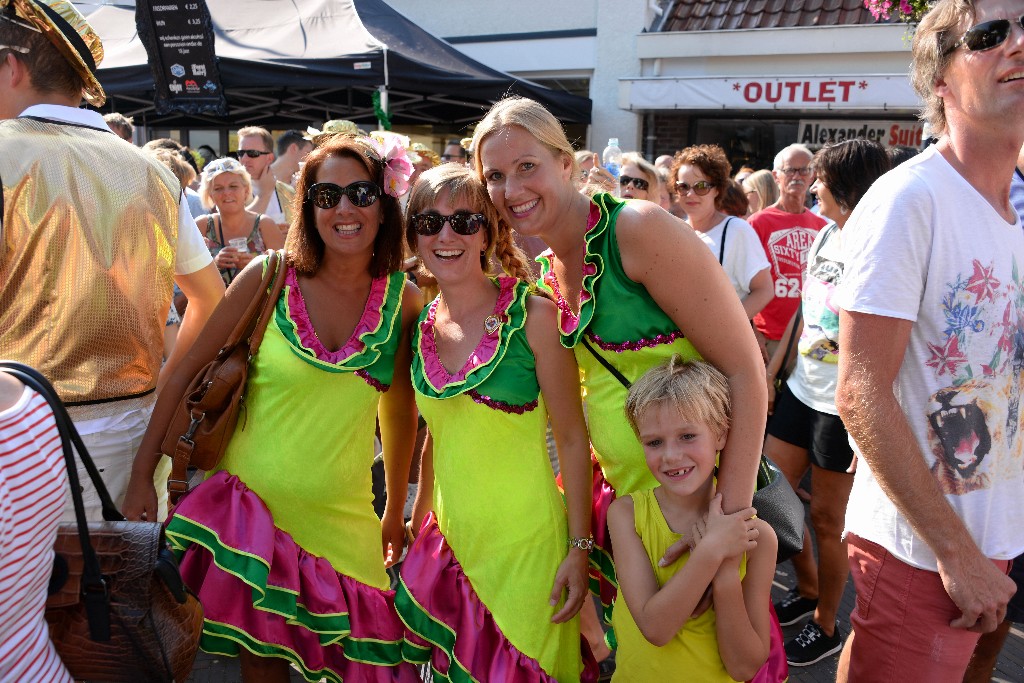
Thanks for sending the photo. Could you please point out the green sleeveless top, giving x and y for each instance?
(305, 441)
(494, 495)
(627, 328)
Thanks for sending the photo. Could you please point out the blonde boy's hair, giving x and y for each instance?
(697, 389)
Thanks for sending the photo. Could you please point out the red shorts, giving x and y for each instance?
(901, 621)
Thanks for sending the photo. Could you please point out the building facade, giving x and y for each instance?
(750, 75)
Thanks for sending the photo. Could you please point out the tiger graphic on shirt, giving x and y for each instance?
(976, 416)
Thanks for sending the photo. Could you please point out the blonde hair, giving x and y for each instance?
(931, 56)
(698, 390)
(532, 117)
(206, 183)
(763, 183)
(461, 184)
(646, 167)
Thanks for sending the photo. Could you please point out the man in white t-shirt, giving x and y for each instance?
(94, 230)
(932, 372)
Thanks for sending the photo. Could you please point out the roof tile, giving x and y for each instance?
(709, 15)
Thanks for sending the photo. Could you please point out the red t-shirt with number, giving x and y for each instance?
(786, 238)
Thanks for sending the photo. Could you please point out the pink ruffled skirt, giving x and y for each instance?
(262, 591)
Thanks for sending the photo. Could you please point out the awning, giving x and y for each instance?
(883, 93)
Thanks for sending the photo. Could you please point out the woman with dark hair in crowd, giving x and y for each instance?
(702, 180)
(805, 430)
(281, 543)
(483, 584)
(633, 286)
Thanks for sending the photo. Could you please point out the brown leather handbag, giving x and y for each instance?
(118, 609)
(207, 414)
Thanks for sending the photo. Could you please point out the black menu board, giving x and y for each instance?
(178, 35)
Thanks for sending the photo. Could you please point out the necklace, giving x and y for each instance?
(492, 323)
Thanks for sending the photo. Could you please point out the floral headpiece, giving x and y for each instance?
(398, 168)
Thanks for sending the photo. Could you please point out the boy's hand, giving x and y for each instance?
(730, 535)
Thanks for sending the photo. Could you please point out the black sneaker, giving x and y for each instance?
(794, 607)
(812, 645)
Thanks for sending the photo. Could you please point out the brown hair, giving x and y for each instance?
(179, 167)
(711, 161)
(48, 70)
(932, 39)
(697, 389)
(257, 132)
(461, 184)
(305, 247)
(734, 201)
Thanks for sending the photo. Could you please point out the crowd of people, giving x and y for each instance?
(507, 311)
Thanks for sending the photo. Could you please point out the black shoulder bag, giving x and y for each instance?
(118, 609)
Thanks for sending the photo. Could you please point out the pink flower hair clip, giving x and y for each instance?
(392, 149)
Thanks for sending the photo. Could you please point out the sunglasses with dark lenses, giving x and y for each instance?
(361, 193)
(700, 188)
(462, 222)
(251, 153)
(986, 35)
(638, 183)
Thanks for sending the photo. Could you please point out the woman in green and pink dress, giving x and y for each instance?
(633, 286)
(281, 543)
(493, 582)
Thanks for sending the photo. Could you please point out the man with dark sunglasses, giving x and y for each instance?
(931, 320)
(271, 196)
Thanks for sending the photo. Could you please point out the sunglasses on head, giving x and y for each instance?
(638, 183)
(361, 193)
(251, 153)
(700, 188)
(986, 35)
(222, 165)
(462, 222)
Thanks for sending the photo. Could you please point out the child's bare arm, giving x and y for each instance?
(741, 608)
(659, 613)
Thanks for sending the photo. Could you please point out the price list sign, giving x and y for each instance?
(178, 35)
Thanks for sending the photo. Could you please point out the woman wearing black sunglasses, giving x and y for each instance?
(281, 544)
(633, 285)
(638, 179)
(493, 562)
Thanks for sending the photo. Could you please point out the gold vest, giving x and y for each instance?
(87, 249)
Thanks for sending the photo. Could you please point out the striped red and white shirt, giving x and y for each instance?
(33, 481)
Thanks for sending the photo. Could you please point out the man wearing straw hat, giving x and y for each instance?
(93, 232)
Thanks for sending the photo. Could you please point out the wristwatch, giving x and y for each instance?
(584, 544)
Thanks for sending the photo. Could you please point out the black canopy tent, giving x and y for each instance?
(289, 62)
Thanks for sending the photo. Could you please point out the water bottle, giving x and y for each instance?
(611, 157)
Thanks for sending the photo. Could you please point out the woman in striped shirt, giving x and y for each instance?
(33, 483)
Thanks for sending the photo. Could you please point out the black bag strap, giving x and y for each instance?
(608, 366)
(721, 249)
(95, 592)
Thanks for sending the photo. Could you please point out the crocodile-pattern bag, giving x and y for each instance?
(118, 609)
